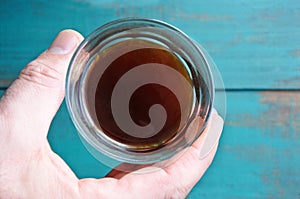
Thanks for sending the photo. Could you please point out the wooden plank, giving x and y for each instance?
(255, 44)
(258, 154)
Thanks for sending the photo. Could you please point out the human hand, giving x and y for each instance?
(30, 169)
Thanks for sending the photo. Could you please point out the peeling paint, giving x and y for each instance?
(201, 17)
(295, 53)
(283, 111)
(281, 115)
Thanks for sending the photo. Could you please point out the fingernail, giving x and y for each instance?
(213, 135)
(64, 43)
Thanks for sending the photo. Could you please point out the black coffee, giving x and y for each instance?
(150, 66)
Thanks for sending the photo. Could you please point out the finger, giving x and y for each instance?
(188, 170)
(174, 181)
(31, 102)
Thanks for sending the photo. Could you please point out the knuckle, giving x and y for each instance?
(41, 74)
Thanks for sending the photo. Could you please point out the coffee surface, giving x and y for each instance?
(148, 86)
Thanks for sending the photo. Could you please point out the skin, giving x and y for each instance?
(30, 169)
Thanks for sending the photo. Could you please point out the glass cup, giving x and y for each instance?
(126, 64)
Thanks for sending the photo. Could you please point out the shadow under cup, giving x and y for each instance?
(139, 91)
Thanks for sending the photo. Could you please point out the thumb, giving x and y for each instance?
(31, 102)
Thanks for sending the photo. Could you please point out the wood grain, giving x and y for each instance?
(254, 43)
(258, 154)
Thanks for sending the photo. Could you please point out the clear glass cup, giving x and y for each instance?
(117, 39)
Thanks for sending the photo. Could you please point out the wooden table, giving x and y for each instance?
(256, 45)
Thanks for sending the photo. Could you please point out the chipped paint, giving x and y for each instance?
(202, 17)
(281, 115)
(295, 53)
(283, 111)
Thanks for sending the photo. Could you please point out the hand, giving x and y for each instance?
(30, 169)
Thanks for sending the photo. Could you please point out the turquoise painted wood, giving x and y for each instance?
(254, 43)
